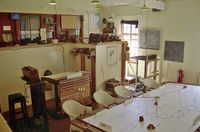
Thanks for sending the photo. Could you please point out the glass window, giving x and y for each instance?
(130, 34)
(29, 28)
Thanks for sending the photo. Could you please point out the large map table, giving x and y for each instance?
(177, 110)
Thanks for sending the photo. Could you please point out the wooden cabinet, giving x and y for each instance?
(77, 88)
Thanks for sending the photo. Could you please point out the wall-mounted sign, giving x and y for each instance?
(6, 28)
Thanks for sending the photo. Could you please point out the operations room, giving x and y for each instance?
(99, 66)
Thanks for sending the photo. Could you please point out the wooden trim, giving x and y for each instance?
(82, 62)
(155, 69)
(58, 26)
(123, 67)
(17, 31)
(93, 74)
(81, 28)
(83, 125)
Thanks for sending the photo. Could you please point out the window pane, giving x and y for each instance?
(130, 34)
(136, 30)
(35, 22)
(127, 26)
(126, 30)
(134, 37)
(126, 37)
(24, 23)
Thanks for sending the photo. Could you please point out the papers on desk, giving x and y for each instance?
(129, 101)
(105, 127)
(67, 75)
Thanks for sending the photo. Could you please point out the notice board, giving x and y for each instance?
(150, 39)
(174, 51)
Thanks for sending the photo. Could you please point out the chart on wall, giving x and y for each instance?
(150, 39)
(174, 51)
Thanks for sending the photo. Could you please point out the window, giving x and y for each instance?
(29, 28)
(130, 34)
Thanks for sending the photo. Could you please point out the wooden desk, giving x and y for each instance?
(177, 110)
(70, 85)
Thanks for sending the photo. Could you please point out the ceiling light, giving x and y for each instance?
(52, 2)
(144, 7)
(95, 2)
(110, 18)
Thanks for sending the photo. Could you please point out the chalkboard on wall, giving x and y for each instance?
(174, 51)
(150, 39)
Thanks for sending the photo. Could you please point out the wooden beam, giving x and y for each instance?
(93, 74)
(82, 62)
(123, 67)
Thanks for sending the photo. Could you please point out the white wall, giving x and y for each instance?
(56, 58)
(41, 58)
(179, 22)
(103, 70)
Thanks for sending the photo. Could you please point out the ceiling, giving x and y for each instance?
(156, 4)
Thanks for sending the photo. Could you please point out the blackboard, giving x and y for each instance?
(150, 39)
(174, 51)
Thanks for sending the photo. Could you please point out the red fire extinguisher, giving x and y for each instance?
(180, 76)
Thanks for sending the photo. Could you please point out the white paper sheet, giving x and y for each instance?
(176, 111)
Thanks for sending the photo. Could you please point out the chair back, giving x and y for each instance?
(74, 108)
(121, 91)
(150, 83)
(103, 98)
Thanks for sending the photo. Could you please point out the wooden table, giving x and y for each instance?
(147, 59)
(177, 110)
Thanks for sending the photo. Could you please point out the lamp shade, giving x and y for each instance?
(52, 2)
(95, 2)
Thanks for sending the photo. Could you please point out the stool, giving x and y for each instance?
(17, 98)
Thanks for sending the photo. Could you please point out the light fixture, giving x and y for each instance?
(95, 2)
(144, 7)
(52, 2)
(111, 19)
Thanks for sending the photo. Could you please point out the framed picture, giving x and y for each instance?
(111, 55)
(95, 20)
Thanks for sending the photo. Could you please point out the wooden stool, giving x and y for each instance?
(17, 98)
